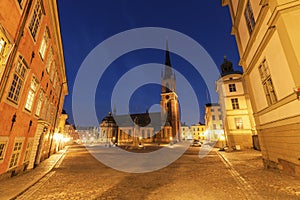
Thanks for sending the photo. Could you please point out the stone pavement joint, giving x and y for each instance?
(244, 185)
(13, 187)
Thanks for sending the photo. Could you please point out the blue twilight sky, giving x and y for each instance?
(85, 24)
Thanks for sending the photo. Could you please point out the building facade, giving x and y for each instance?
(169, 103)
(32, 83)
(163, 127)
(267, 36)
(214, 124)
(198, 131)
(239, 126)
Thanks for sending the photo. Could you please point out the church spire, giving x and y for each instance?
(168, 67)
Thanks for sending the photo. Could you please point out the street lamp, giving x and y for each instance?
(55, 119)
(114, 138)
(171, 140)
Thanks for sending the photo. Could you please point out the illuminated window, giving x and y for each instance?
(49, 60)
(249, 17)
(39, 104)
(31, 94)
(28, 151)
(3, 145)
(2, 46)
(232, 88)
(267, 83)
(235, 103)
(238, 123)
(44, 43)
(52, 71)
(15, 154)
(18, 80)
(44, 109)
(36, 18)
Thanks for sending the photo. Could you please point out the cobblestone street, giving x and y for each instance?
(219, 175)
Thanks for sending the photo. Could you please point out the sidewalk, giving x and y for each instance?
(265, 182)
(12, 187)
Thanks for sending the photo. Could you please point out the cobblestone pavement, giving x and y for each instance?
(269, 184)
(219, 175)
(9, 188)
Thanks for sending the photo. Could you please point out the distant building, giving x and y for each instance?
(185, 132)
(32, 83)
(88, 135)
(214, 123)
(198, 131)
(267, 36)
(239, 126)
(70, 129)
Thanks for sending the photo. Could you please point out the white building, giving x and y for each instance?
(267, 35)
(236, 108)
(214, 123)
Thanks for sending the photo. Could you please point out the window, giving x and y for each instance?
(214, 126)
(2, 149)
(21, 3)
(44, 43)
(31, 94)
(220, 117)
(52, 71)
(143, 133)
(36, 18)
(2, 46)
(212, 110)
(213, 117)
(238, 123)
(219, 109)
(44, 109)
(39, 104)
(18, 80)
(267, 83)
(15, 154)
(148, 134)
(249, 17)
(235, 103)
(49, 60)
(28, 150)
(232, 88)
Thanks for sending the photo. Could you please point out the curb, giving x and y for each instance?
(42, 176)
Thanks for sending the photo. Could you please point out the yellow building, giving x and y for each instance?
(198, 131)
(213, 122)
(236, 108)
(267, 35)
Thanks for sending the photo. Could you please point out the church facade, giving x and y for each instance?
(139, 128)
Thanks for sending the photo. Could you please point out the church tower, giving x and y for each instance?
(169, 103)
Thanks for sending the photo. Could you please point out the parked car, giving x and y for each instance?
(196, 143)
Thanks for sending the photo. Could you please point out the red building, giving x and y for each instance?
(32, 82)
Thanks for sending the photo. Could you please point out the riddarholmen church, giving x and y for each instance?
(159, 127)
